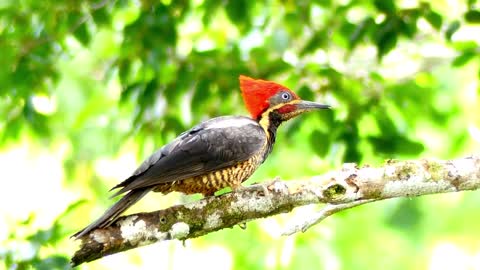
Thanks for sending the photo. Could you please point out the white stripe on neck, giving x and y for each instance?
(231, 122)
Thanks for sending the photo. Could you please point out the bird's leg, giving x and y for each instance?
(254, 187)
(259, 188)
(267, 183)
(263, 187)
(237, 187)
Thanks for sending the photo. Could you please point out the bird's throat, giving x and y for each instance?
(270, 121)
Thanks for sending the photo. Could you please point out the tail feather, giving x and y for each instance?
(113, 212)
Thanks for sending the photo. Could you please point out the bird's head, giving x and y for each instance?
(261, 96)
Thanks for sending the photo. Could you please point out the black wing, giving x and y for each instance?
(215, 144)
(212, 145)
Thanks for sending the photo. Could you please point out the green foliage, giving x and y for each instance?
(101, 79)
(26, 254)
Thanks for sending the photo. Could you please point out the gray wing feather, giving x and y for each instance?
(195, 152)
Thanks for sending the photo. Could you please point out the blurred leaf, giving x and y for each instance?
(200, 95)
(405, 216)
(41, 236)
(174, 124)
(70, 208)
(452, 28)
(468, 45)
(463, 58)
(210, 7)
(237, 11)
(434, 18)
(305, 93)
(386, 43)
(350, 136)
(328, 118)
(324, 3)
(277, 66)
(38, 240)
(129, 91)
(320, 142)
(13, 131)
(408, 27)
(472, 16)
(360, 31)
(124, 67)
(386, 36)
(38, 122)
(346, 30)
(292, 22)
(148, 96)
(396, 145)
(387, 6)
(82, 34)
(316, 41)
(100, 16)
(52, 262)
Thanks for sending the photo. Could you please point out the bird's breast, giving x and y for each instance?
(208, 183)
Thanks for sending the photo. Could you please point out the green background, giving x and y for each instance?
(88, 89)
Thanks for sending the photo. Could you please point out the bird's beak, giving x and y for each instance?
(304, 105)
(297, 107)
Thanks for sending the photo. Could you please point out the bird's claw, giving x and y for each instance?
(261, 188)
(264, 187)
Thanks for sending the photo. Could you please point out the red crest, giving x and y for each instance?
(256, 93)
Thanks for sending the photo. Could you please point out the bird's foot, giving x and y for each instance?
(260, 188)
(264, 187)
(252, 188)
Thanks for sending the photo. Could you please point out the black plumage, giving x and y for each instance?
(202, 149)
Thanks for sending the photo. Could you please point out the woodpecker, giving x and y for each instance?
(218, 153)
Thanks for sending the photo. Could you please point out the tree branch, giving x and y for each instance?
(339, 190)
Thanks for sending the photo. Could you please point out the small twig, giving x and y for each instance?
(326, 211)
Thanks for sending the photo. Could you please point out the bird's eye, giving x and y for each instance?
(286, 96)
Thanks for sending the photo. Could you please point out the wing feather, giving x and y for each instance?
(215, 144)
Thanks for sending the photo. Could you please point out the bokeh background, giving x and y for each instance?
(88, 89)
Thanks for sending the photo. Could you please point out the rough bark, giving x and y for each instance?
(338, 190)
